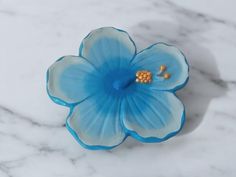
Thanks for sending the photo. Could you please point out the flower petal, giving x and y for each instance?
(71, 79)
(95, 123)
(108, 46)
(153, 116)
(162, 54)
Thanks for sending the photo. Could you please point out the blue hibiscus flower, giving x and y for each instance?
(114, 92)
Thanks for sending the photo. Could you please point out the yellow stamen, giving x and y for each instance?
(143, 76)
(166, 75)
(162, 68)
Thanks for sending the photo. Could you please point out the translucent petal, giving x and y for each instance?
(71, 79)
(108, 47)
(153, 116)
(96, 123)
(162, 54)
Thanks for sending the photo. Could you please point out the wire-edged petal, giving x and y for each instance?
(153, 116)
(162, 54)
(71, 79)
(109, 47)
(95, 123)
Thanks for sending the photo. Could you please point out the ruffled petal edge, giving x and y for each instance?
(86, 146)
(179, 86)
(120, 30)
(153, 139)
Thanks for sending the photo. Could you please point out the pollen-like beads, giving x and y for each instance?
(144, 76)
(162, 68)
(166, 76)
(162, 72)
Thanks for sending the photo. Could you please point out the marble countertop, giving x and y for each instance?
(33, 139)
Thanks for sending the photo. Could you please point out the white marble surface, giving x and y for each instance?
(33, 139)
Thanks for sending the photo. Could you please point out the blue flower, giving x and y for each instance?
(110, 94)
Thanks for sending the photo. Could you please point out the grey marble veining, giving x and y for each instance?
(33, 139)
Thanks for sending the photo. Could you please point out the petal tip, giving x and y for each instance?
(146, 128)
(123, 40)
(53, 98)
(160, 54)
(90, 147)
(153, 139)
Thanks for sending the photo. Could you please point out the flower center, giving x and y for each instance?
(122, 83)
(119, 80)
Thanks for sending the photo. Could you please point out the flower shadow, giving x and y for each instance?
(204, 84)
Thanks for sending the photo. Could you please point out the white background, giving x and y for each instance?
(33, 139)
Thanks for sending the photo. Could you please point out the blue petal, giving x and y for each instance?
(108, 46)
(162, 54)
(153, 116)
(71, 79)
(95, 123)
